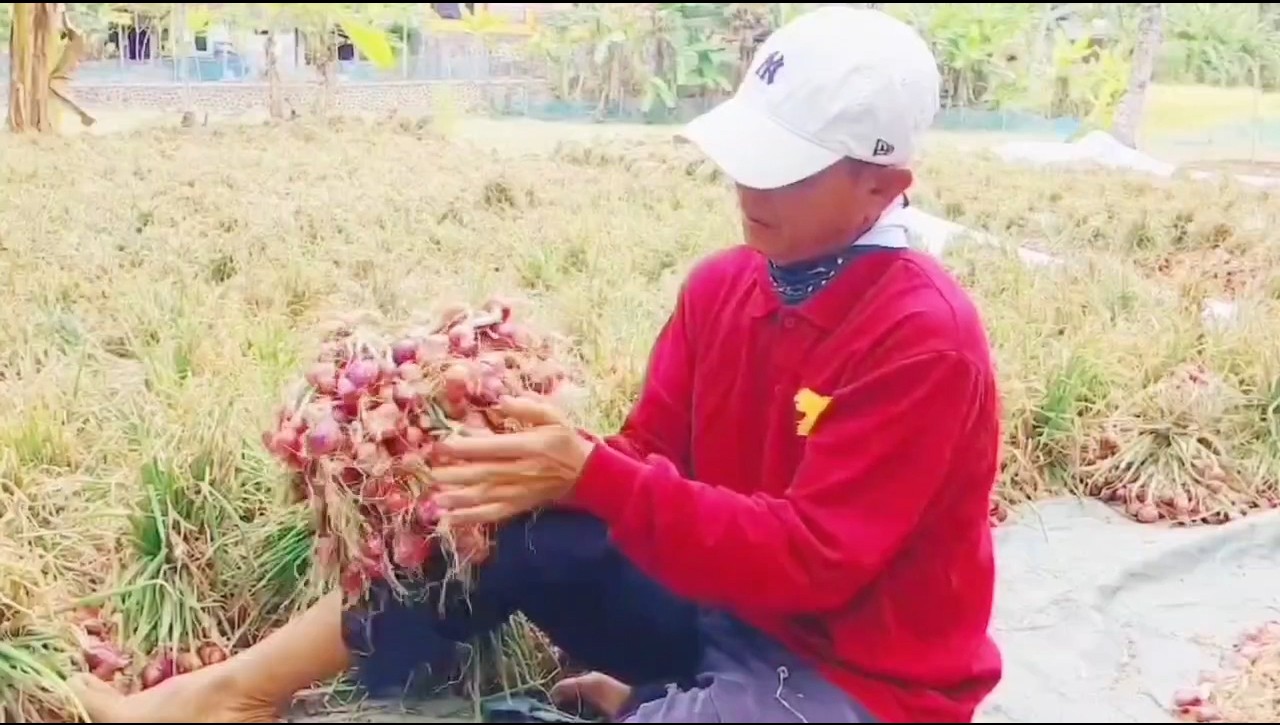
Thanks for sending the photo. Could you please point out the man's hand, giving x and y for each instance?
(501, 476)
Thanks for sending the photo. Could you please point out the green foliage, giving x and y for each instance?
(611, 53)
(1090, 81)
(1219, 44)
(1054, 58)
(979, 47)
(1046, 57)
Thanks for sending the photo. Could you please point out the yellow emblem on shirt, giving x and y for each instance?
(810, 406)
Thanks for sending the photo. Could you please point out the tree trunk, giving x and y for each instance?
(33, 36)
(1128, 116)
(41, 61)
(21, 36)
(275, 100)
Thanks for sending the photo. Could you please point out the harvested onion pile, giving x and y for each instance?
(108, 661)
(360, 434)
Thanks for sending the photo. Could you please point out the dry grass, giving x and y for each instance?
(161, 288)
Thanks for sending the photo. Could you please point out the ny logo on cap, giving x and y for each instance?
(769, 68)
(882, 148)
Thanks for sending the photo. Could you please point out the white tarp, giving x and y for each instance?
(1099, 148)
(1101, 619)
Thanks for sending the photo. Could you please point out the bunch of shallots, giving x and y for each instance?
(108, 662)
(360, 435)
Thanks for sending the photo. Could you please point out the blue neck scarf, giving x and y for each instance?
(798, 282)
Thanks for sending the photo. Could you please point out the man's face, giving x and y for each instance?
(808, 217)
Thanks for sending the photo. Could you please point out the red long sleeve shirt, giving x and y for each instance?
(860, 539)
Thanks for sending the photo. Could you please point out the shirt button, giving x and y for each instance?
(789, 323)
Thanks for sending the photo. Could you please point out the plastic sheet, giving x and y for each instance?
(1101, 619)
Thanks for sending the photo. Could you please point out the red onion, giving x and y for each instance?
(105, 655)
(152, 675)
(362, 373)
(323, 376)
(188, 662)
(376, 569)
(457, 382)
(396, 502)
(410, 550)
(345, 388)
(284, 441)
(433, 349)
(211, 654)
(491, 390)
(462, 339)
(353, 579)
(375, 547)
(410, 372)
(382, 421)
(413, 436)
(325, 438)
(405, 396)
(404, 350)
(367, 453)
(427, 513)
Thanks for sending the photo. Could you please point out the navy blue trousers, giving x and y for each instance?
(561, 571)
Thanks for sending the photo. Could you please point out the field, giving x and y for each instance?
(164, 285)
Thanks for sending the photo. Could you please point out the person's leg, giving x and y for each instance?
(748, 678)
(561, 571)
(557, 567)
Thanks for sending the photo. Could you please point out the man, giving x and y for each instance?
(792, 524)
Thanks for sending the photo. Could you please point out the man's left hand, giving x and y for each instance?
(501, 476)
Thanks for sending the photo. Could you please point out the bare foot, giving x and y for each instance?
(207, 695)
(594, 688)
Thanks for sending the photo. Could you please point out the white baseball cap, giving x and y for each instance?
(836, 82)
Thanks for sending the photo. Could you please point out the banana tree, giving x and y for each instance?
(318, 24)
(37, 83)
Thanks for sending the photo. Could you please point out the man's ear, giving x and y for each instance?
(890, 182)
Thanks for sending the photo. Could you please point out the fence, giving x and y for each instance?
(497, 75)
(493, 75)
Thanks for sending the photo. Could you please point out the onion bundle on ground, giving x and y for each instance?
(360, 435)
(108, 661)
(105, 659)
